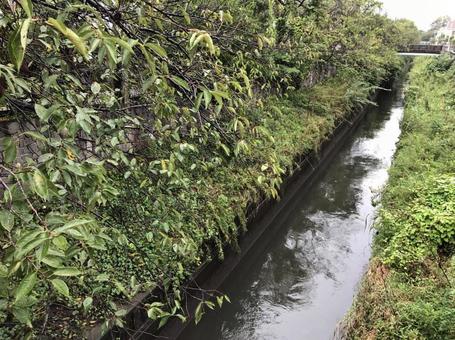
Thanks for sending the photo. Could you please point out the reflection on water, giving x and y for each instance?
(303, 283)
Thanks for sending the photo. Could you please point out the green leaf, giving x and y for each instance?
(149, 58)
(163, 321)
(180, 82)
(67, 271)
(61, 287)
(220, 94)
(198, 313)
(207, 97)
(9, 150)
(73, 224)
(42, 112)
(21, 251)
(210, 304)
(88, 301)
(77, 41)
(25, 286)
(219, 300)
(127, 48)
(157, 49)
(15, 50)
(186, 16)
(102, 277)
(23, 316)
(112, 52)
(197, 104)
(52, 261)
(6, 220)
(43, 249)
(27, 6)
(76, 169)
(16, 41)
(28, 236)
(60, 242)
(120, 287)
(35, 135)
(45, 157)
(40, 184)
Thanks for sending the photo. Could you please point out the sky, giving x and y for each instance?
(422, 12)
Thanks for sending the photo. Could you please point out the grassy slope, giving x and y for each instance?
(408, 292)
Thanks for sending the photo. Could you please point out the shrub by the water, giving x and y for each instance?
(408, 291)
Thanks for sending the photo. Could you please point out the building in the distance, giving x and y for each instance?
(446, 35)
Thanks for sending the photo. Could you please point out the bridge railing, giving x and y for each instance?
(423, 48)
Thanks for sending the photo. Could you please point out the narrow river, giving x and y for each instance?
(301, 286)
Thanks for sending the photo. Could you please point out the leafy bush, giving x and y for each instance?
(441, 64)
(423, 226)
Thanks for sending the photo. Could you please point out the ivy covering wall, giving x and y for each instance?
(149, 127)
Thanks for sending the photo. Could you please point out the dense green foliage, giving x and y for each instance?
(408, 32)
(408, 292)
(153, 124)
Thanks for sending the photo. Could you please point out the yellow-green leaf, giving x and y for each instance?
(15, 50)
(157, 49)
(9, 150)
(180, 82)
(27, 6)
(77, 41)
(61, 287)
(68, 271)
(149, 59)
(6, 220)
(40, 184)
(207, 97)
(87, 303)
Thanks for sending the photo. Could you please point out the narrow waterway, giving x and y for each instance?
(305, 280)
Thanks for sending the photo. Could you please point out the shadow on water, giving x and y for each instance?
(302, 281)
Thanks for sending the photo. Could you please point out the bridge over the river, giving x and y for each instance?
(423, 49)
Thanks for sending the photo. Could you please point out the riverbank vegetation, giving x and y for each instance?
(408, 292)
(146, 128)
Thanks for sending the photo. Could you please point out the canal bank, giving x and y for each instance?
(407, 292)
